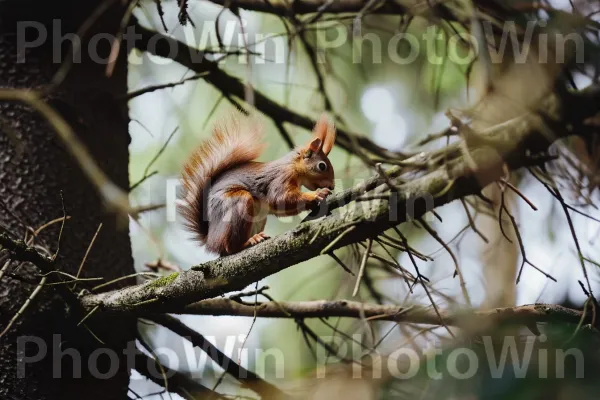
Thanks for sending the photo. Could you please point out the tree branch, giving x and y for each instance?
(511, 142)
(175, 381)
(196, 61)
(412, 314)
(298, 7)
(359, 7)
(248, 378)
(20, 251)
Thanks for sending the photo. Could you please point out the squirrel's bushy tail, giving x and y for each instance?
(234, 141)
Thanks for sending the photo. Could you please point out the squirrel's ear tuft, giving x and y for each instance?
(330, 135)
(325, 131)
(320, 129)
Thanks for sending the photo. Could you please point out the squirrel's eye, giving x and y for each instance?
(322, 166)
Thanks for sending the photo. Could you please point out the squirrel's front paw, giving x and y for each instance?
(256, 239)
(321, 194)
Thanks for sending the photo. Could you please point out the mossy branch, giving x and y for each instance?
(513, 142)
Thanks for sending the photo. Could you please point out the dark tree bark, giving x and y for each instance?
(31, 183)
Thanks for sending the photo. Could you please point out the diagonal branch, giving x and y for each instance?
(195, 60)
(248, 378)
(177, 382)
(514, 140)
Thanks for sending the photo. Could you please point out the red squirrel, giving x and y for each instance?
(227, 195)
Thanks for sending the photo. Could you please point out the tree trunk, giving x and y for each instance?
(35, 168)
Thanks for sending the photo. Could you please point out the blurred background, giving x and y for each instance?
(396, 105)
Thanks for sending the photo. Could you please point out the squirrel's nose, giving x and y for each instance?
(332, 186)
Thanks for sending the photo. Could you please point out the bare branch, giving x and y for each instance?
(299, 7)
(234, 87)
(412, 314)
(20, 251)
(178, 382)
(247, 378)
(154, 88)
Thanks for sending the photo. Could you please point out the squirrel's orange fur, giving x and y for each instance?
(227, 194)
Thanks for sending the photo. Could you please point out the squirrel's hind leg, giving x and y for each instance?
(232, 226)
(257, 229)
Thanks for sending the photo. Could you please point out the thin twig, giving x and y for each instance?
(146, 175)
(521, 195)
(340, 263)
(144, 274)
(89, 248)
(154, 88)
(363, 264)
(62, 226)
(337, 239)
(24, 306)
(472, 222)
(88, 315)
(458, 272)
